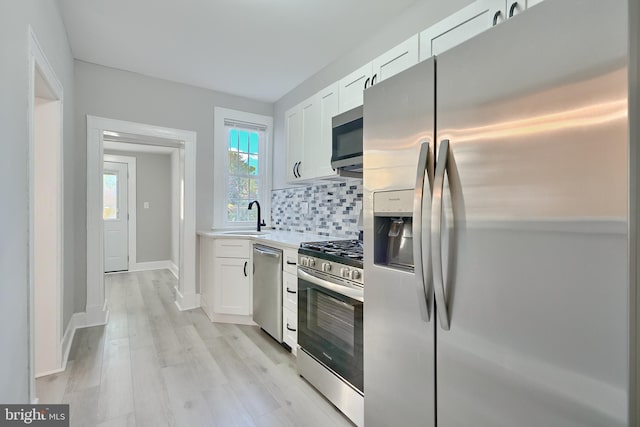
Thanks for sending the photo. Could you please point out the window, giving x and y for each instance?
(241, 167)
(110, 195)
(243, 171)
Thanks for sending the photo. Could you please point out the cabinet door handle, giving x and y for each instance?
(290, 291)
(289, 329)
(495, 18)
(298, 169)
(245, 268)
(291, 263)
(512, 9)
(366, 82)
(373, 79)
(294, 170)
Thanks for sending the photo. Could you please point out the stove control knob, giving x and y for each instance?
(312, 262)
(355, 275)
(326, 267)
(304, 261)
(345, 272)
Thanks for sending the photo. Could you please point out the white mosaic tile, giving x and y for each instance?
(333, 209)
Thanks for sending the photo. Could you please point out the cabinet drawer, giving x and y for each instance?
(290, 328)
(233, 248)
(290, 291)
(290, 261)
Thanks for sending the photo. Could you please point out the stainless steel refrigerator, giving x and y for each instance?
(499, 170)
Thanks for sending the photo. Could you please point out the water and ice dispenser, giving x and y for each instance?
(393, 231)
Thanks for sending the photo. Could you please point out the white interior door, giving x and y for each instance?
(115, 215)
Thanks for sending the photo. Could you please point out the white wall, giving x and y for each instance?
(116, 94)
(45, 19)
(153, 185)
(415, 19)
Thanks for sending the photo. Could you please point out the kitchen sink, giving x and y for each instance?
(245, 233)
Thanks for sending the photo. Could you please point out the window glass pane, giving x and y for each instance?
(243, 168)
(243, 177)
(254, 186)
(253, 164)
(253, 143)
(244, 141)
(234, 166)
(243, 212)
(232, 210)
(233, 139)
(110, 196)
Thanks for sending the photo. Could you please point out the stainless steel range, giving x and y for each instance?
(330, 319)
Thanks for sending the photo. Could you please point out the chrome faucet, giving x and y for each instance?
(260, 223)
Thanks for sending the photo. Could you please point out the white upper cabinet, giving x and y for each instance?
(353, 85)
(293, 139)
(467, 23)
(398, 59)
(310, 158)
(461, 26)
(310, 135)
(329, 106)
(386, 65)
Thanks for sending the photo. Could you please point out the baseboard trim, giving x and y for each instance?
(74, 323)
(152, 265)
(51, 372)
(94, 316)
(231, 318)
(186, 302)
(174, 269)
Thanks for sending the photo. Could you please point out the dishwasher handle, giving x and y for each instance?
(266, 252)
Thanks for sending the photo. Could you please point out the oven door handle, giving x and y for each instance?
(353, 292)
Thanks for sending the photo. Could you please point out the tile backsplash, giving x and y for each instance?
(327, 209)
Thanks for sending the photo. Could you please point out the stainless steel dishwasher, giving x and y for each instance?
(267, 289)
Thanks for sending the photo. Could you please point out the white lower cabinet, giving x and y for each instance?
(233, 286)
(225, 279)
(290, 328)
(290, 291)
(290, 300)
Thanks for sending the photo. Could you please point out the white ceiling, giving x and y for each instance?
(256, 48)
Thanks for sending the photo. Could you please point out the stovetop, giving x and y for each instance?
(348, 252)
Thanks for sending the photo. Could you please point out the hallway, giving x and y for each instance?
(154, 366)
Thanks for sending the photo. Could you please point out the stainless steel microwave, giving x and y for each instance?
(346, 151)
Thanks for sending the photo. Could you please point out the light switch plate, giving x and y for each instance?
(146, 205)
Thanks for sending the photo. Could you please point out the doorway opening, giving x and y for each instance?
(45, 217)
(99, 132)
(153, 203)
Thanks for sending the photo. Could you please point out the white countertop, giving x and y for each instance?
(288, 239)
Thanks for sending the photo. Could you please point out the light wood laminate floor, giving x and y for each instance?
(153, 365)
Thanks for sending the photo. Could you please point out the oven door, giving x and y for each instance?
(330, 323)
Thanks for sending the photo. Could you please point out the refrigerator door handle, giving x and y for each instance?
(422, 208)
(436, 234)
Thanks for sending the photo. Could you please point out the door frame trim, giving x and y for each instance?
(39, 64)
(186, 295)
(131, 202)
